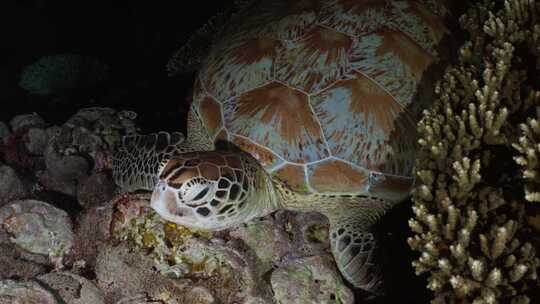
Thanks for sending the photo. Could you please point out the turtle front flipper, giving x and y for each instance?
(137, 162)
(353, 241)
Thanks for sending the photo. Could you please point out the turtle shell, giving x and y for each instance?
(319, 91)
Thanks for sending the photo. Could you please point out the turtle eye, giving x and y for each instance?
(196, 190)
(201, 194)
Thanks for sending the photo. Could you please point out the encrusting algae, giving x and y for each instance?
(164, 240)
(471, 209)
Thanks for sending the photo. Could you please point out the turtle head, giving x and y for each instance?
(205, 190)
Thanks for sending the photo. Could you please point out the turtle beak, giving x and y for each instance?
(158, 200)
(159, 191)
(164, 203)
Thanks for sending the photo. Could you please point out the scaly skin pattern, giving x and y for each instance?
(139, 159)
(213, 190)
(317, 94)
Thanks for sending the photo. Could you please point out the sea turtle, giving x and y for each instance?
(316, 97)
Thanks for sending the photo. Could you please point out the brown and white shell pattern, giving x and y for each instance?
(317, 90)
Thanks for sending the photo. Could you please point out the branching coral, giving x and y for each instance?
(469, 203)
(528, 146)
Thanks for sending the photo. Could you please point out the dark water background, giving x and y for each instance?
(135, 39)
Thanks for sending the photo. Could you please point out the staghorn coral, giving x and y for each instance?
(469, 203)
(528, 146)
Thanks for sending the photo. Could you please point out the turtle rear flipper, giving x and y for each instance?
(353, 241)
(139, 159)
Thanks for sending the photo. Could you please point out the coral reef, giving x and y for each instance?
(72, 288)
(39, 229)
(29, 292)
(15, 153)
(470, 208)
(283, 247)
(11, 185)
(95, 190)
(51, 288)
(21, 143)
(64, 171)
(117, 266)
(32, 120)
(16, 264)
(293, 283)
(66, 157)
(108, 124)
(178, 252)
(92, 233)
